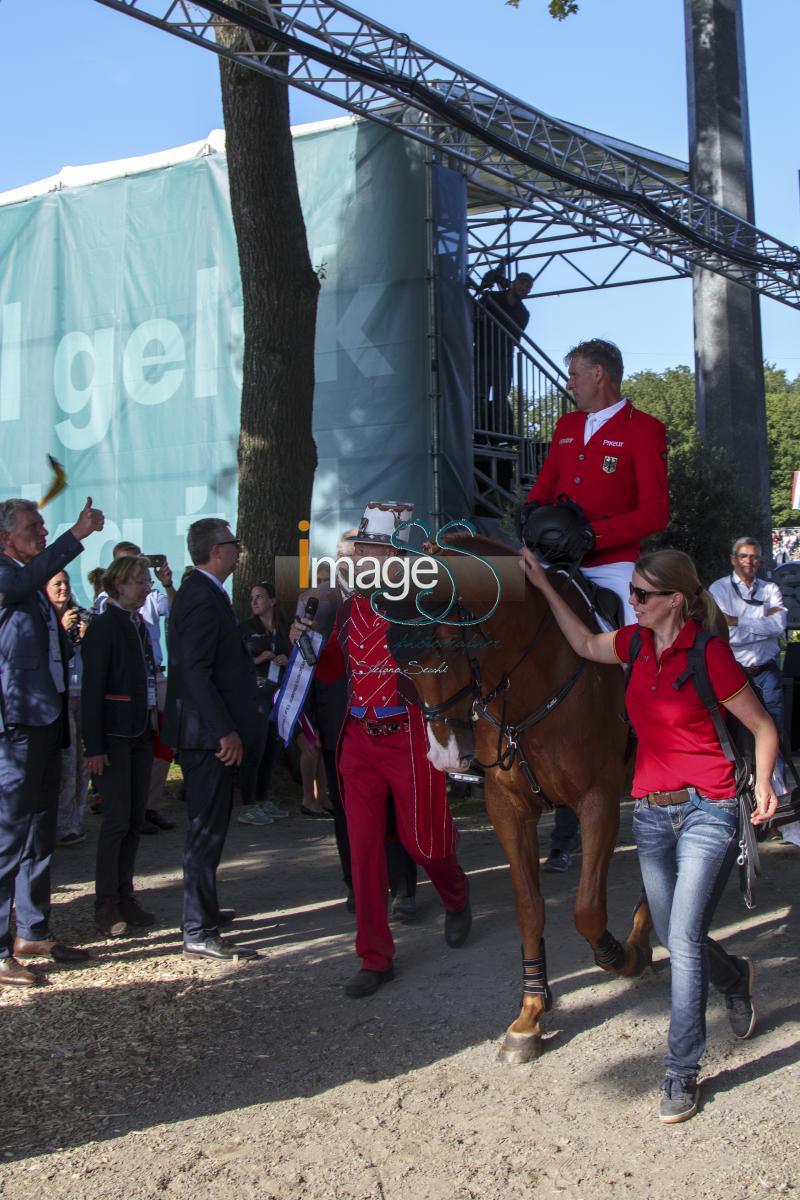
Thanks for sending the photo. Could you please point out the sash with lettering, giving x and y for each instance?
(291, 696)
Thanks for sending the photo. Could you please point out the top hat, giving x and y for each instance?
(380, 520)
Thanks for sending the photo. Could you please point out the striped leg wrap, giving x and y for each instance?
(610, 953)
(534, 978)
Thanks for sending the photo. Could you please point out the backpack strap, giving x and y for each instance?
(697, 671)
(633, 654)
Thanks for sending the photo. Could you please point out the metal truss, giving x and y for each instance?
(502, 144)
(555, 255)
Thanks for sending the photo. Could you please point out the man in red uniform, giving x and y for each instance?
(382, 750)
(611, 459)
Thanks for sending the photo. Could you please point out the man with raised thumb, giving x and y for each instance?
(34, 653)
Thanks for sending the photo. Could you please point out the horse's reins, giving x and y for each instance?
(505, 758)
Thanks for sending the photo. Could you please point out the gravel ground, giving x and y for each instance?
(144, 1075)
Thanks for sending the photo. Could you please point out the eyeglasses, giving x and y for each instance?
(641, 594)
(753, 557)
(230, 542)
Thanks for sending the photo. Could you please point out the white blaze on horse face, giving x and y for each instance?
(444, 758)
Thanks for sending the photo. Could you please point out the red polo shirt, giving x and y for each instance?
(678, 745)
(619, 478)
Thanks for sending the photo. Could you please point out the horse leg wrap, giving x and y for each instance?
(534, 978)
(609, 953)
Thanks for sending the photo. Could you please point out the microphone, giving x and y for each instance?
(304, 641)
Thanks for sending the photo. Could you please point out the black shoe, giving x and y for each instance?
(155, 818)
(71, 839)
(366, 983)
(148, 827)
(350, 902)
(134, 914)
(741, 1009)
(457, 926)
(226, 916)
(214, 947)
(404, 909)
(679, 1100)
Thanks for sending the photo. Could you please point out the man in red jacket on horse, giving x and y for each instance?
(611, 459)
(382, 752)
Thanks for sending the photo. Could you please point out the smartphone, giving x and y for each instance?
(156, 560)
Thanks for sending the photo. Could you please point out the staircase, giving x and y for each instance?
(518, 395)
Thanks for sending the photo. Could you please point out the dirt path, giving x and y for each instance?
(148, 1076)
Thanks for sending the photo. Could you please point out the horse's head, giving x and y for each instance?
(434, 659)
(443, 657)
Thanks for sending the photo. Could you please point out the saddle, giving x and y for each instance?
(605, 604)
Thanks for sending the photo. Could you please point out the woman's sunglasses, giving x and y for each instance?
(641, 594)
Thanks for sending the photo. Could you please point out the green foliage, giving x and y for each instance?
(670, 396)
(557, 8)
(708, 509)
(783, 433)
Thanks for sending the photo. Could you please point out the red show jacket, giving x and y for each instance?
(619, 479)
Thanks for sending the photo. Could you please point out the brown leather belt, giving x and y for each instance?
(662, 799)
(751, 671)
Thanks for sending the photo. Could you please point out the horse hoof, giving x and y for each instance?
(520, 1048)
(642, 958)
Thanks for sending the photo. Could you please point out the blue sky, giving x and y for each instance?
(80, 83)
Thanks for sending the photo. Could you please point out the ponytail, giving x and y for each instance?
(674, 571)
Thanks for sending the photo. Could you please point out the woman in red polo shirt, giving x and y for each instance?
(686, 813)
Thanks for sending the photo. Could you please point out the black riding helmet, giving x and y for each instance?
(559, 532)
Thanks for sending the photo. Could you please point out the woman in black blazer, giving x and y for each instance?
(118, 705)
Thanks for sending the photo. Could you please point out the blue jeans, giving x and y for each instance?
(768, 683)
(685, 853)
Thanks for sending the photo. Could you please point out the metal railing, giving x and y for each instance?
(519, 394)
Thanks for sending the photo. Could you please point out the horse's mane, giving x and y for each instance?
(480, 544)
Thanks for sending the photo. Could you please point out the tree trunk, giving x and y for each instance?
(277, 455)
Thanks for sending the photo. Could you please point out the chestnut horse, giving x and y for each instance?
(546, 726)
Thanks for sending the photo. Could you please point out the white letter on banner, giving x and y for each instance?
(97, 393)
(152, 378)
(206, 332)
(10, 364)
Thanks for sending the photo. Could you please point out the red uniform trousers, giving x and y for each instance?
(371, 768)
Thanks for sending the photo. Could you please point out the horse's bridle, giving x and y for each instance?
(506, 732)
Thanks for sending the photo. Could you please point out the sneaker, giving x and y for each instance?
(679, 1100)
(741, 1009)
(557, 860)
(109, 920)
(71, 839)
(273, 810)
(256, 815)
(404, 909)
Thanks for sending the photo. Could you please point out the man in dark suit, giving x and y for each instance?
(34, 654)
(211, 718)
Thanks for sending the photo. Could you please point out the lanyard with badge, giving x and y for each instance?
(147, 650)
(754, 602)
